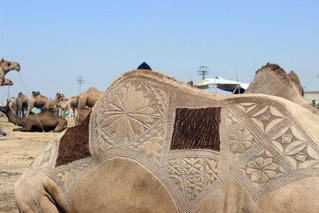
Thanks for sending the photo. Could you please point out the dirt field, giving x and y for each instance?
(17, 151)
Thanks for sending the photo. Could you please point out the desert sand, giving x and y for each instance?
(17, 151)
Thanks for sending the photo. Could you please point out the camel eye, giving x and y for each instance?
(9, 64)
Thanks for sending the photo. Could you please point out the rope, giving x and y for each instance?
(36, 115)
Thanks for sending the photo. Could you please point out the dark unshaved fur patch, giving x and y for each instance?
(196, 129)
(74, 144)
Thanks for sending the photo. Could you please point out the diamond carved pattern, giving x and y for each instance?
(193, 175)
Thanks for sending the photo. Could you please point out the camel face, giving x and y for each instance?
(157, 145)
(9, 65)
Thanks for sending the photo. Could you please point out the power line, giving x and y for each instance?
(203, 71)
(80, 81)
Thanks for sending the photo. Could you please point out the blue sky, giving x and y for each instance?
(56, 41)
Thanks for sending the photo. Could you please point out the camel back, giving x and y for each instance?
(193, 143)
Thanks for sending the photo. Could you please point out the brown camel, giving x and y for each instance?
(12, 103)
(87, 99)
(5, 67)
(22, 102)
(39, 101)
(54, 104)
(153, 144)
(271, 79)
(44, 121)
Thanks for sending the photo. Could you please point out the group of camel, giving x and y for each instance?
(154, 144)
(51, 117)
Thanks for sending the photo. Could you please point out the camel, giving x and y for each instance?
(39, 101)
(87, 99)
(154, 144)
(44, 121)
(22, 102)
(54, 104)
(5, 67)
(271, 79)
(67, 104)
(12, 103)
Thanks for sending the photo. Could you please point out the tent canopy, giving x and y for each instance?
(223, 84)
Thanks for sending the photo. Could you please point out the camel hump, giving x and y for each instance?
(144, 66)
(43, 97)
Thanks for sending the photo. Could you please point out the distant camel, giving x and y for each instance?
(44, 121)
(38, 101)
(22, 104)
(87, 99)
(12, 103)
(54, 104)
(5, 67)
(66, 104)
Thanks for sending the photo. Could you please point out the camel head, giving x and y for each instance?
(60, 96)
(271, 79)
(7, 66)
(295, 79)
(35, 93)
(7, 82)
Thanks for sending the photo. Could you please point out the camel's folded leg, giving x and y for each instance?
(39, 194)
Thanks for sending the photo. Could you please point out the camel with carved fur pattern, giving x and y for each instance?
(154, 144)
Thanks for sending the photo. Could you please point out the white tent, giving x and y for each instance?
(223, 84)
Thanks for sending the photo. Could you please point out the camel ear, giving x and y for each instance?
(2, 60)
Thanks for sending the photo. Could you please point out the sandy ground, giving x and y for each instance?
(17, 151)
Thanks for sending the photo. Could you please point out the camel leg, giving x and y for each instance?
(61, 124)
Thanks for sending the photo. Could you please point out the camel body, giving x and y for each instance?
(54, 104)
(68, 104)
(87, 99)
(5, 67)
(153, 144)
(39, 101)
(22, 102)
(44, 121)
(271, 79)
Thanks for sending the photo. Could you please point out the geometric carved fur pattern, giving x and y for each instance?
(256, 147)
(196, 129)
(74, 144)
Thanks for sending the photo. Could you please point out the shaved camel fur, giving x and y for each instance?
(262, 156)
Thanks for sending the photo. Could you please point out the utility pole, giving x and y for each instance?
(80, 81)
(203, 71)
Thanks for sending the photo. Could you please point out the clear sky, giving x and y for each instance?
(56, 41)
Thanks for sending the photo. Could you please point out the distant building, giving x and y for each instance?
(313, 95)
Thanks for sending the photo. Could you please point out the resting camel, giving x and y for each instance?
(44, 121)
(271, 79)
(87, 99)
(5, 67)
(154, 144)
